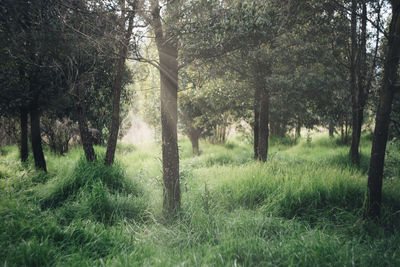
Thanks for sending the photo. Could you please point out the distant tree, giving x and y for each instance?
(58, 132)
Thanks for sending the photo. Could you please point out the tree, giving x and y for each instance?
(167, 46)
(126, 27)
(33, 44)
(99, 39)
(389, 87)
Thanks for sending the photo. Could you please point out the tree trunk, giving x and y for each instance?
(223, 134)
(112, 139)
(117, 87)
(194, 139)
(24, 135)
(86, 137)
(36, 138)
(359, 90)
(375, 172)
(355, 140)
(256, 127)
(331, 129)
(342, 132)
(263, 131)
(168, 54)
(298, 129)
(167, 47)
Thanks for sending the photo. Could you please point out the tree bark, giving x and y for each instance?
(117, 87)
(298, 129)
(331, 129)
(358, 86)
(36, 138)
(264, 130)
(256, 127)
(24, 134)
(112, 139)
(167, 47)
(86, 137)
(354, 155)
(194, 139)
(169, 118)
(375, 172)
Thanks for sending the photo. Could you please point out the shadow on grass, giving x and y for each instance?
(93, 190)
(343, 161)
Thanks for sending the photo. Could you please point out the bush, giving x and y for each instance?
(93, 190)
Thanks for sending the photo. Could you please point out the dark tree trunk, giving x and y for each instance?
(263, 131)
(375, 172)
(354, 155)
(36, 138)
(331, 129)
(86, 137)
(256, 127)
(346, 132)
(117, 88)
(359, 89)
(112, 140)
(342, 132)
(24, 135)
(256, 130)
(298, 129)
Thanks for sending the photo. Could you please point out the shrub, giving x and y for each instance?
(93, 190)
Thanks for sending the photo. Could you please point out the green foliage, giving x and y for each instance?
(392, 160)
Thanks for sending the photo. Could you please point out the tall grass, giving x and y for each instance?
(301, 208)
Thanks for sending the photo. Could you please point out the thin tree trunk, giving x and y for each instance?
(331, 129)
(24, 135)
(86, 137)
(360, 91)
(375, 172)
(355, 101)
(117, 88)
(342, 132)
(223, 135)
(263, 131)
(36, 138)
(298, 129)
(256, 127)
(112, 139)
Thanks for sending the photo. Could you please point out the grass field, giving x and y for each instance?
(302, 208)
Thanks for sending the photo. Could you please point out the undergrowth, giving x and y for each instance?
(301, 208)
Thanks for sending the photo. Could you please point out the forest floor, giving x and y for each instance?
(302, 208)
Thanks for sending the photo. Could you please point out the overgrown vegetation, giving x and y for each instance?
(301, 208)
